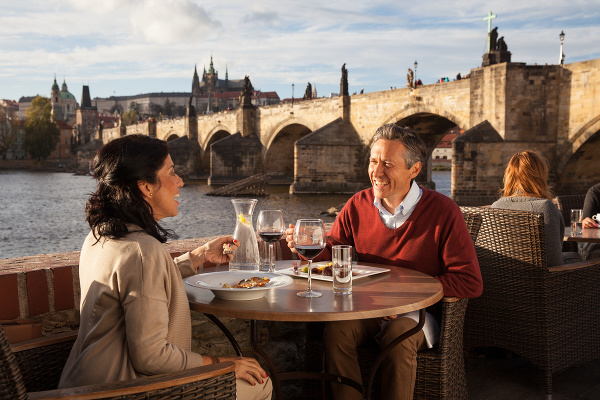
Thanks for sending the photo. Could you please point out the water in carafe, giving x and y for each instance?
(246, 256)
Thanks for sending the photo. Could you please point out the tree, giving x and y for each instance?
(129, 118)
(168, 108)
(155, 109)
(41, 133)
(8, 133)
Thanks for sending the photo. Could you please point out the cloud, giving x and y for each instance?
(170, 21)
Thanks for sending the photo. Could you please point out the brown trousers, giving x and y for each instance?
(398, 370)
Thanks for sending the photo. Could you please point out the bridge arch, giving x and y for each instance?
(217, 133)
(278, 156)
(171, 136)
(431, 123)
(576, 167)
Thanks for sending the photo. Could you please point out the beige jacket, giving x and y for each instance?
(135, 317)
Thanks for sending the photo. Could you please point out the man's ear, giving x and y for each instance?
(415, 169)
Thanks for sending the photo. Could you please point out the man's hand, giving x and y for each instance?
(390, 317)
(289, 238)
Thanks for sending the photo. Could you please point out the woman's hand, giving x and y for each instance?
(589, 223)
(248, 369)
(289, 238)
(213, 251)
(390, 317)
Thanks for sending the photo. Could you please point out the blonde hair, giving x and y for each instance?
(526, 175)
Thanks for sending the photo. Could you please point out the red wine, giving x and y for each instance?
(270, 237)
(310, 251)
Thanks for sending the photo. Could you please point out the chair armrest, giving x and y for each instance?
(450, 299)
(574, 266)
(141, 385)
(44, 341)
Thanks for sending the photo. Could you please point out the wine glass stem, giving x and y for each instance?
(271, 258)
(309, 275)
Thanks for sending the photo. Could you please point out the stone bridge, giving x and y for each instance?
(321, 145)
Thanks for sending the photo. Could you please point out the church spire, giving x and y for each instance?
(226, 73)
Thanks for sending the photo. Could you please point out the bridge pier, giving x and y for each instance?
(332, 159)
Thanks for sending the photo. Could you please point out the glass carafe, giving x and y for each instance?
(246, 256)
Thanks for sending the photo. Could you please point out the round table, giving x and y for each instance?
(395, 292)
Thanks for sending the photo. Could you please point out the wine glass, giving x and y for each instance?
(309, 241)
(270, 228)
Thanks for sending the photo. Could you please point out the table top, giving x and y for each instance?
(586, 235)
(398, 291)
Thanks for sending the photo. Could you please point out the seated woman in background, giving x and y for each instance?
(135, 318)
(591, 206)
(526, 189)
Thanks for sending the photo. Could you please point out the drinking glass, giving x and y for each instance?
(309, 241)
(576, 221)
(342, 260)
(270, 227)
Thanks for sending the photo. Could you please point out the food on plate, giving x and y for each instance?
(324, 270)
(248, 283)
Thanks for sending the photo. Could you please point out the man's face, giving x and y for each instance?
(388, 173)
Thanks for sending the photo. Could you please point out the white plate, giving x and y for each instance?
(359, 271)
(214, 281)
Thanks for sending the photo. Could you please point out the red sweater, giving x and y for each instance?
(434, 240)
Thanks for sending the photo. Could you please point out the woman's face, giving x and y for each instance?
(165, 191)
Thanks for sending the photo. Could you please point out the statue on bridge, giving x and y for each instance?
(308, 92)
(502, 44)
(191, 111)
(409, 78)
(344, 81)
(493, 37)
(246, 95)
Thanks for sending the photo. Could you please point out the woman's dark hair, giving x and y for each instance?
(118, 201)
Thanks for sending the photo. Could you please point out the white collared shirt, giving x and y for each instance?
(403, 211)
(393, 221)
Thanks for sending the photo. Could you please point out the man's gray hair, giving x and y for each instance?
(416, 150)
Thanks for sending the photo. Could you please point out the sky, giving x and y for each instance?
(130, 47)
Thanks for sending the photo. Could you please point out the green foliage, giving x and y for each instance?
(129, 117)
(8, 132)
(155, 109)
(41, 133)
(168, 108)
(135, 107)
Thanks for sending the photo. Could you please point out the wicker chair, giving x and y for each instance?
(565, 204)
(31, 370)
(548, 315)
(568, 202)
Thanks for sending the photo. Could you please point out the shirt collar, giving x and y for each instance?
(407, 205)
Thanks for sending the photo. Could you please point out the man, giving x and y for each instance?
(399, 224)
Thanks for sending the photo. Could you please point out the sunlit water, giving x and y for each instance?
(43, 212)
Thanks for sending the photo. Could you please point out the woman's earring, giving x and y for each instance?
(150, 194)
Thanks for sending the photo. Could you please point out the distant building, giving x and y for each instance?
(87, 127)
(442, 153)
(17, 148)
(63, 147)
(64, 105)
(208, 94)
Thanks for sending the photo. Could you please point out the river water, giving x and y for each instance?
(43, 212)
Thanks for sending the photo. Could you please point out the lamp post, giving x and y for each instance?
(292, 94)
(561, 60)
(416, 64)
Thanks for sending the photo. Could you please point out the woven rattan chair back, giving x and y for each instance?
(11, 380)
(546, 315)
(34, 372)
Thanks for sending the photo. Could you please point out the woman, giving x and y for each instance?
(526, 189)
(135, 318)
